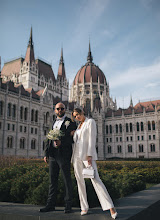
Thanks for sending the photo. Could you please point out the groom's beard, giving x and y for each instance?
(60, 114)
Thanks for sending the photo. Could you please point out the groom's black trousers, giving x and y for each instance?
(54, 167)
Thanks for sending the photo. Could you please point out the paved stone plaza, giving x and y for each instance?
(143, 205)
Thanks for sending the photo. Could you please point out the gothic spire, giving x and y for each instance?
(131, 102)
(30, 50)
(30, 43)
(61, 69)
(89, 58)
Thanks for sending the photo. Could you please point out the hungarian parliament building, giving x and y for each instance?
(29, 92)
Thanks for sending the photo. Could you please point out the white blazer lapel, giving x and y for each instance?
(83, 126)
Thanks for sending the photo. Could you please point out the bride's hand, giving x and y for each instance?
(72, 132)
(89, 159)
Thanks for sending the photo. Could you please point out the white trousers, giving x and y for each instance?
(101, 191)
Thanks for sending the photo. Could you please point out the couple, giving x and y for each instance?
(84, 154)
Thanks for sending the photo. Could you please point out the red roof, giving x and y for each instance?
(87, 71)
(13, 66)
(45, 69)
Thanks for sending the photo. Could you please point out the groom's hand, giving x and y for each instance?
(46, 159)
(57, 143)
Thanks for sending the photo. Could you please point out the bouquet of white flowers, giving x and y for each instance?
(55, 134)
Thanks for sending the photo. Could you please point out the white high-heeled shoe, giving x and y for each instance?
(83, 212)
(114, 216)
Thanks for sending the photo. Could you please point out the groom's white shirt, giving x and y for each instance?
(87, 140)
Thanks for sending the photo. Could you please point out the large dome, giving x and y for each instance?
(89, 72)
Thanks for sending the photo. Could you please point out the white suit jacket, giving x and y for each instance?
(87, 140)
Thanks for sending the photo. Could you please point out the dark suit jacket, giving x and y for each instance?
(65, 150)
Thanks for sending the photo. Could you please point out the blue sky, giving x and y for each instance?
(124, 36)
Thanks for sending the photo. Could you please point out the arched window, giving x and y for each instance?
(14, 111)
(9, 110)
(153, 125)
(130, 126)
(142, 127)
(88, 104)
(137, 126)
(1, 107)
(109, 150)
(110, 129)
(43, 145)
(21, 112)
(32, 115)
(152, 147)
(119, 149)
(126, 127)
(120, 128)
(106, 129)
(33, 144)
(10, 142)
(47, 118)
(25, 114)
(149, 125)
(129, 148)
(22, 143)
(36, 116)
(116, 128)
(140, 147)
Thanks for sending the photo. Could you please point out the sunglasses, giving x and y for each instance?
(60, 109)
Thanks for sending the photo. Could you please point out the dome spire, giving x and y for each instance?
(89, 58)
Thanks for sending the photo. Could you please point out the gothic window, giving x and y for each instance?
(119, 149)
(153, 125)
(140, 148)
(109, 150)
(10, 142)
(110, 129)
(22, 143)
(142, 127)
(129, 148)
(36, 116)
(1, 107)
(131, 128)
(14, 111)
(33, 144)
(152, 147)
(137, 126)
(21, 112)
(32, 115)
(88, 104)
(149, 125)
(87, 92)
(43, 145)
(126, 127)
(116, 128)
(9, 110)
(25, 114)
(106, 129)
(120, 128)
(47, 118)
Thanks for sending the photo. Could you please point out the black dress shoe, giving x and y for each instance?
(47, 209)
(68, 208)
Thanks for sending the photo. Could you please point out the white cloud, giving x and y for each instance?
(136, 75)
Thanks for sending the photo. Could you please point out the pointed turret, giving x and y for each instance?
(29, 58)
(131, 102)
(89, 58)
(61, 69)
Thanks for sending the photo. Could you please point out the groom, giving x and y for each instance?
(59, 155)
